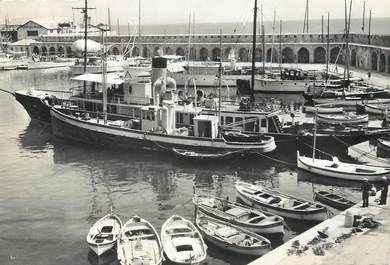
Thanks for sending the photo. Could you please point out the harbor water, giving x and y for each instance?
(53, 190)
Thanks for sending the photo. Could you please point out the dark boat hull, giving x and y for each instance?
(35, 107)
(333, 203)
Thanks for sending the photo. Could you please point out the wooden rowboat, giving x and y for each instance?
(333, 200)
(232, 238)
(323, 109)
(279, 203)
(383, 144)
(104, 233)
(239, 215)
(139, 243)
(343, 119)
(336, 169)
(182, 242)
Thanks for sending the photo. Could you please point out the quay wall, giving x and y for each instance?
(366, 52)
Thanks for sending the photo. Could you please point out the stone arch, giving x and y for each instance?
(44, 50)
(374, 61)
(52, 51)
(68, 51)
(145, 52)
(216, 54)
(353, 57)
(192, 53)
(288, 55)
(319, 55)
(258, 55)
(336, 56)
(382, 63)
(180, 51)
(303, 55)
(168, 51)
(135, 52)
(61, 51)
(115, 51)
(203, 54)
(36, 50)
(157, 51)
(243, 55)
(272, 51)
(227, 53)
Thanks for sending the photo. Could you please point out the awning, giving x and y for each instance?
(112, 79)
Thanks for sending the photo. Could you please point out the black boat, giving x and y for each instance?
(333, 200)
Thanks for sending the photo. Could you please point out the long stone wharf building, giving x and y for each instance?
(366, 52)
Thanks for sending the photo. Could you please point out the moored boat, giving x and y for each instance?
(375, 109)
(182, 242)
(383, 144)
(139, 243)
(350, 101)
(279, 203)
(323, 109)
(104, 233)
(239, 215)
(232, 238)
(333, 200)
(343, 119)
(336, 169)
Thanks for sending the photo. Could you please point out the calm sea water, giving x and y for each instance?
(52, 190)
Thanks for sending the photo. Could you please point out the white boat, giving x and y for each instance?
(240, 215)
(182, 242)
(343, 119)
(323, 109)
(139, 243)
(94, 65)
(232, 238)
(336, 169)
(350, 101)
(104, 233)
(383, 144)
(279, 203)
(376, 109)
(275, 85)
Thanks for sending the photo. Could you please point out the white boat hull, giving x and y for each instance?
(350, 102)
(323, 110)
(342, 119)
(101, 249)
(324, 168)
(206, 80)
(281, 86)
(231, 248)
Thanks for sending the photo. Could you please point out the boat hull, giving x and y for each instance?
(337, 205)
(383, 145)
(342, 120)
(101, 249)
(280, 86)
(115, 137)
(34, 105)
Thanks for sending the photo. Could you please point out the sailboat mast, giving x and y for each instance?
(280, 47)
(263, 39)
(327, 51)
(139, 18)
(273, 38)
(220, 76)
(315, 134)
(85, 39)
(364, 14)
(254, 48)
(104, 79)
(189, 42)
(348, 28)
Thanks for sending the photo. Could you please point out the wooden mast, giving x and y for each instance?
(263, 40)
(253, 50)
(220, 77)
(327, 51)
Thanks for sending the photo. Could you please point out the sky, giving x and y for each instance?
(177, 11)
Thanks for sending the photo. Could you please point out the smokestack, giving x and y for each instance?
(159, 71)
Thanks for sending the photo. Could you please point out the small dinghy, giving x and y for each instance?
(182, 242)
(279, 203)
(203, 155)
(343, 119)
(376, 109)
(237, 214)
(139, 243)
(232, 238)
(336, 169)
(323, 109)
(383, 144)
(104, 234)
(333, 200)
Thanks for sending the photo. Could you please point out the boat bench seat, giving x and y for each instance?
(301, 205)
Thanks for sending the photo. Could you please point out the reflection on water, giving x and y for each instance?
(54, 190)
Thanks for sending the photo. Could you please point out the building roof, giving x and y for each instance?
(24, 42)
(112, 79)
(43, 24)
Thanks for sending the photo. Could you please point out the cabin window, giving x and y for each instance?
(238, 119)
(180, 118)
(192, 119)
(130, 89)
(263, 123)
(32, 33)
(150, 116)
(229, 120)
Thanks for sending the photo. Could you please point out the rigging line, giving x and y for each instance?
(276, 160)
(317, 150)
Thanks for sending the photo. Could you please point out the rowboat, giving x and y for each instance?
(350, 101)
(336, 169)
(383, 144)
(375, 109)
(343, 119)
(139, 243)
(323, 109)
(333, 200)
(204, 155)
(279, 203)
(239, 215)
(104, 234)
(182, 242)
(232, 238)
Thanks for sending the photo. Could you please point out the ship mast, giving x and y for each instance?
(253, 50)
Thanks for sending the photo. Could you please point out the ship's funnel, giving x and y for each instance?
(159, 76)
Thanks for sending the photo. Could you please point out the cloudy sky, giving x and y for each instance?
(177, 11)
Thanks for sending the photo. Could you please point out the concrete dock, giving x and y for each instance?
(343, 246)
